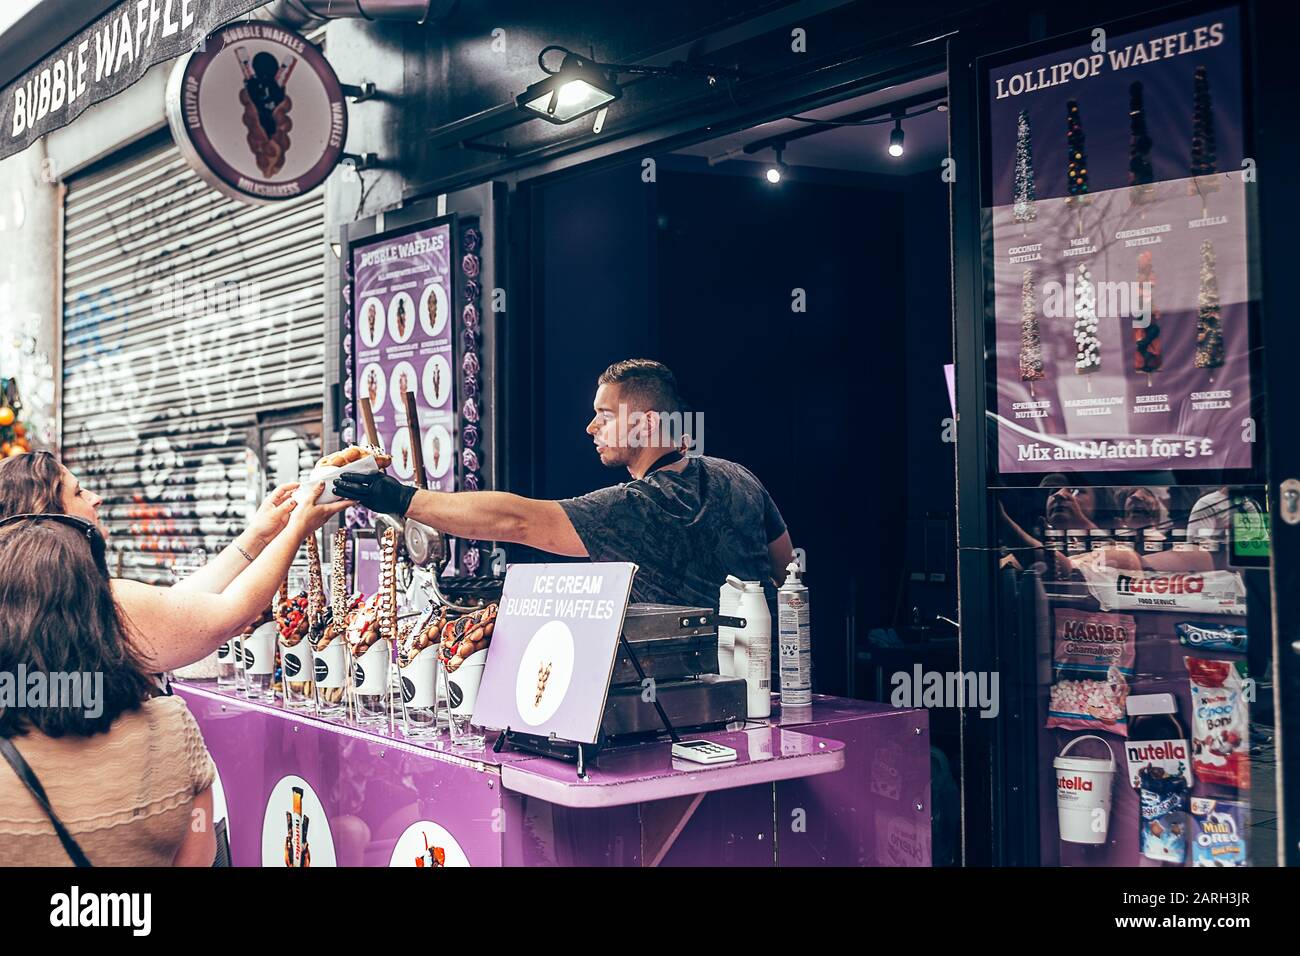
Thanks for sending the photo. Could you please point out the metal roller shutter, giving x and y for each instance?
(186, 315)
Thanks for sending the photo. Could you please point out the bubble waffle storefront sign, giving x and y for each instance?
(258, 112)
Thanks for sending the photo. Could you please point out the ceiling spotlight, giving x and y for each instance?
(896, 138)
(777, 170)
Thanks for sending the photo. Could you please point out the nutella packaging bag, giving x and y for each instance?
(1218, 833)
(1221, 729)
(1198, 592)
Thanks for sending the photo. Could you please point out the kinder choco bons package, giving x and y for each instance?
(1220, 727)
(1093, 657)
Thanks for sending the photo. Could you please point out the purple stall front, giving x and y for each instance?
(844, 783)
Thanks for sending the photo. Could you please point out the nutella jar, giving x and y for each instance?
(1153, 541)
(1099, 539)
(1076, 541)
(1208, 539)
(1179, 538)
(1054, 540)
(1156, 737)
(1125, 539)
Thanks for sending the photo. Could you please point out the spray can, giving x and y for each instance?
(794, 637)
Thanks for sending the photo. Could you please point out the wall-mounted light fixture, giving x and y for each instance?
(576, 88)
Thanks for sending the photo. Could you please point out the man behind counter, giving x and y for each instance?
(687, 522)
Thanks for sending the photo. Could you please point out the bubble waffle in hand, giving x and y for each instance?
(354, 453)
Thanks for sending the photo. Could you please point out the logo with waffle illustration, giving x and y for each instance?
(543, 675)
(266, 107)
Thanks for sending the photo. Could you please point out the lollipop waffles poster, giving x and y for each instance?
(401, 341)
(1119, 235)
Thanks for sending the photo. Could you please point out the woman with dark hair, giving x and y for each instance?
(170, 627)
(124, 774)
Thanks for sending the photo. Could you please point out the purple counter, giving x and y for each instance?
(844, 783)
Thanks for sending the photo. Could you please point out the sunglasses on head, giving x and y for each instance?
(92, 533)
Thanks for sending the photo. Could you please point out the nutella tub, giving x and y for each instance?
(1083, 791)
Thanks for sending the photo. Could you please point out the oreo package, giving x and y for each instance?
(1208, 637)
(1218, 832)
(1162, 803)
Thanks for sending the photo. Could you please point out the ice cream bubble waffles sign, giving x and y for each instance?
(258, 112)
(553, 649)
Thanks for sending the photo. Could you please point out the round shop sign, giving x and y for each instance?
(295, 832)
(426, 844)
(258, 112)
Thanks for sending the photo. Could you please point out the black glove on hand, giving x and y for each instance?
(376, 491)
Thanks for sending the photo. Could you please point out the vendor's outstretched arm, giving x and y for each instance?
(481, 515)
(499, 516)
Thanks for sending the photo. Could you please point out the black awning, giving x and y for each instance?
(105, 58)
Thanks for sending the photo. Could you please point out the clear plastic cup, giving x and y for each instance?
(297, 669)
(330, 669)
(226, 663)
(371, 694)
(462, 693)
(259, 662)
(419, 681)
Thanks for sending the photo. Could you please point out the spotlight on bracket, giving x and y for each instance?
(896, 138)
(776, 172)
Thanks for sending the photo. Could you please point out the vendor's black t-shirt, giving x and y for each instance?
(686, 530)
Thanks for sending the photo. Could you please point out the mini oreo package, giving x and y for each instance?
(1218, 832)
